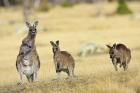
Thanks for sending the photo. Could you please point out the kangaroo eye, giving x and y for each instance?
(112, 52)
(30, 29)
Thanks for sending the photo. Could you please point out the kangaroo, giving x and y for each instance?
(120, 54)
(63, 60)
(28, 62)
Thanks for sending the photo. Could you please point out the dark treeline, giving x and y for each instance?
(37, 3)
(43, 5)
(9, 2)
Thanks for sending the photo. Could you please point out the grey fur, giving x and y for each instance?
(120, 54)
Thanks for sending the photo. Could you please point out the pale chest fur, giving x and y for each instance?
(28, 66)
(57, 58)
(27, 70)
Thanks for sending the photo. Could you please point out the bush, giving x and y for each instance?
(66, 3)
(44, 6)
(123, 8)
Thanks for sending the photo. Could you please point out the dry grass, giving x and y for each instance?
(73, 27)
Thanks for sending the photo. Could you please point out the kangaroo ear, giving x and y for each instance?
(28, 24)
(52, 43)
(57, 42)
(35, 23)
(114, 45)
(109, 46)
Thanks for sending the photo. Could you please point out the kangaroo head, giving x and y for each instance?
(32, 28)
(55, 46)
(112, 50)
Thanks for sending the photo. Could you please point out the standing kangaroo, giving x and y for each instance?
(63, 60)
(120, 54)
(28, 62)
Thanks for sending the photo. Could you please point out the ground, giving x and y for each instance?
(73, 27)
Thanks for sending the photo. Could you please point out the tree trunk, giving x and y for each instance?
(36, 3)
(6, 3)
(26, 10)
(99, 7)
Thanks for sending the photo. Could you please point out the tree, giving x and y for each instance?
(36, 3)
(99, 7)
(44, 5)
(123, 8)
(6, 3)
(26, 10)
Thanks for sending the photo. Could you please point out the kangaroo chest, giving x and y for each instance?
(57, 58)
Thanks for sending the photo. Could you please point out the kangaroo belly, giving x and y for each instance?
(27, 70)
(27, 67)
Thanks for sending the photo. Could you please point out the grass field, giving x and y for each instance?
(73, 27)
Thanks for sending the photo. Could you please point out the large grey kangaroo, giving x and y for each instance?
(28, 62)
(63, 60)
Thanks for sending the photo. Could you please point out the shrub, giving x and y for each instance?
(123, 8)
(44, 6)
(66, 3)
